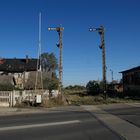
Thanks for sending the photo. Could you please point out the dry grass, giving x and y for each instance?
(83, 99)
(86, 100)
(52, 102)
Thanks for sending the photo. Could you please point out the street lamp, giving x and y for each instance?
(101, 30)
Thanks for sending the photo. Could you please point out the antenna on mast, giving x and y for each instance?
(39, 69)
(39, 41)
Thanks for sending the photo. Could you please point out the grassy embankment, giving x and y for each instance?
(82, 98)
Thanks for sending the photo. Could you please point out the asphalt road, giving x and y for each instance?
(127, 112)
(60, 125)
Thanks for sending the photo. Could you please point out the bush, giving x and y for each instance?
(50, 83)
(93, 88)
(6, 87)
(6, 83)
(75, 87)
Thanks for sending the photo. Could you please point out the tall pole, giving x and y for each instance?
(39, 69)
(111, 74)
(39, 41)
(60, 46)
(102, 47)
(101, 32)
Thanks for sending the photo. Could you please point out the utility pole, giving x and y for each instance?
(112, 78)
(111, 74)
(101, 30)
(60, 46)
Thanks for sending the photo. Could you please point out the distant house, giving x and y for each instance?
(19, 69)
(115, 87)
(131, 79)
(118, 87)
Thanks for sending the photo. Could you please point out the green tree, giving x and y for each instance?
(49, 64)
(50, 83)
(75, 87)
(49, 76)
(93, 87)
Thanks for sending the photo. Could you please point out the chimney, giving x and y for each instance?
(27, 60)
(1, 61)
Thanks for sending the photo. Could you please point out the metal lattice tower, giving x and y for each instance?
(39, 68)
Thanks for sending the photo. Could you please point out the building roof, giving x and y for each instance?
(18, 65)
(130, 70)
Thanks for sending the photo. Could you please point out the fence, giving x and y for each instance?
(5, 98)
(10, 98)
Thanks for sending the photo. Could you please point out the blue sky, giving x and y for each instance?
(81, 55)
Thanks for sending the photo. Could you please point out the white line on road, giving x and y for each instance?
(38, 125)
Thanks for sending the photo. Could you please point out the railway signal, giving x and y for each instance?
(60, 46)
(101, 31)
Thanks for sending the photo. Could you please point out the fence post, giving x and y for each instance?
(10, 99)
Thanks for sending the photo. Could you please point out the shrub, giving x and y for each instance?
(6, 83)
(6, 87)
(93, 88)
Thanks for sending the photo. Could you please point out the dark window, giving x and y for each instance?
(137, 78)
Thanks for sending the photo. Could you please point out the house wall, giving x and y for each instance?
(131, 78)
(21, 78)
(131, 81)
(16, 79)
(118, 88)
(131, 87)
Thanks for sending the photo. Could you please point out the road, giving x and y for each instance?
(128, 112)
(70, 123)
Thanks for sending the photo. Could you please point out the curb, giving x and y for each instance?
(121, 127)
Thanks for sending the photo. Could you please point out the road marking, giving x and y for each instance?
(39, 125)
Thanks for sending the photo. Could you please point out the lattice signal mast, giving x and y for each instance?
(60, 46)
(101, 30)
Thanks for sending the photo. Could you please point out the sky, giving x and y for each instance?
(82, 58)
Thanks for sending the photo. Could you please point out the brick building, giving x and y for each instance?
(131, 79)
